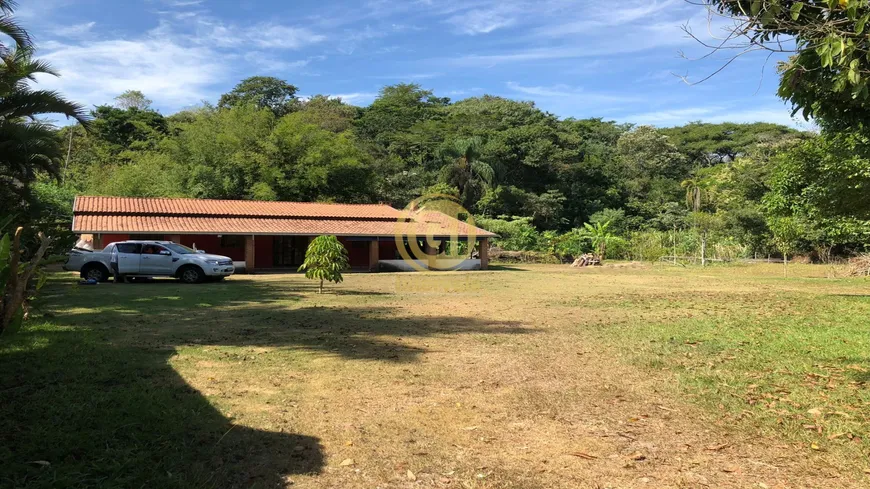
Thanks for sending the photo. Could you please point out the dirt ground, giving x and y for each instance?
(488, 380)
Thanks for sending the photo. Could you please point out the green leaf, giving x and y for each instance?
(796, 10)
(860, 23)
(755, 7)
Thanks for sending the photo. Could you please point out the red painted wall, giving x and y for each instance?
(357, 252)
(387, 250)
(263, 251)
(212, 244)
(111, 238)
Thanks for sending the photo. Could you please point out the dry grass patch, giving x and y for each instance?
(528, 377)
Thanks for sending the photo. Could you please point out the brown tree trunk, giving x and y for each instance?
(704, 250)
(12, 296)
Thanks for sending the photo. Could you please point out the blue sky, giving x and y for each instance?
(573, 58)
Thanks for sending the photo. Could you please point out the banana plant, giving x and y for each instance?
(600, 237)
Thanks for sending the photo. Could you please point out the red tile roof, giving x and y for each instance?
(206, 207)
(190, 216)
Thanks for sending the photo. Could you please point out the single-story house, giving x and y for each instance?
(261, 235)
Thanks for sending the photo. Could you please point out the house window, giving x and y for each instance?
(232, 241)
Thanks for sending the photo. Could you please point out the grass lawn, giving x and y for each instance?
(521, 377)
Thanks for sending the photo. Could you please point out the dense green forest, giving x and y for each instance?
(545, 184)
(530, 176)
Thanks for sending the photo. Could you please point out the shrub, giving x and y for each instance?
(325, 258)
(647, 245)
(515, 234)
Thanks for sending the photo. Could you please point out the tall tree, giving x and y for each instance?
(464, 169)
(329, 113)
(133, 99)
(128, 129)
(707, 144)
(824, 181)
(828, 73)
(648, 171)
(28, 145)
(388, 123)
(263, 91)
(695, 187)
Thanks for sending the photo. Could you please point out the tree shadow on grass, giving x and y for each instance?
(254, 313)
(88, 399)
(81, 410)
(504, 267)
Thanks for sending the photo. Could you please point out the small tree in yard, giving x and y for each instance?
(706, 224)
(325, 258)
(786, 234)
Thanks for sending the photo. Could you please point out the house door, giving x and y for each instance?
(289, 251)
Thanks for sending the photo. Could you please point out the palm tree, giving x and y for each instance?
(10, 28)
(694, 186)
(27, 144)
(464, 169)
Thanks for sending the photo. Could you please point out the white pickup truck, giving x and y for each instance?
(150, 259)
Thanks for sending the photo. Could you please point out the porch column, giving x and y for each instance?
(374, 255)
(249, 254)
(98, 242)
(483, 248)
(431, 254)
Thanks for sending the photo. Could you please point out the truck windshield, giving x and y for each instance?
(181, 250)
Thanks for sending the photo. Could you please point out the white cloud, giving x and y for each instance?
(172, 74)
(644, 38)
(597, 18)
(349, 40)
(356, 98)
(481, 21)
(273, 64)
(282, 37)
(179, 62)
(673, 116)
(75, 30)
(573, 99)
(36, 10)
(554, 91)
(265, 35)
(183, 3)
(717, 113)
(409, 76)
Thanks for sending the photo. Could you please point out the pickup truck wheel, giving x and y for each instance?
(191, 275)
(96, 272)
